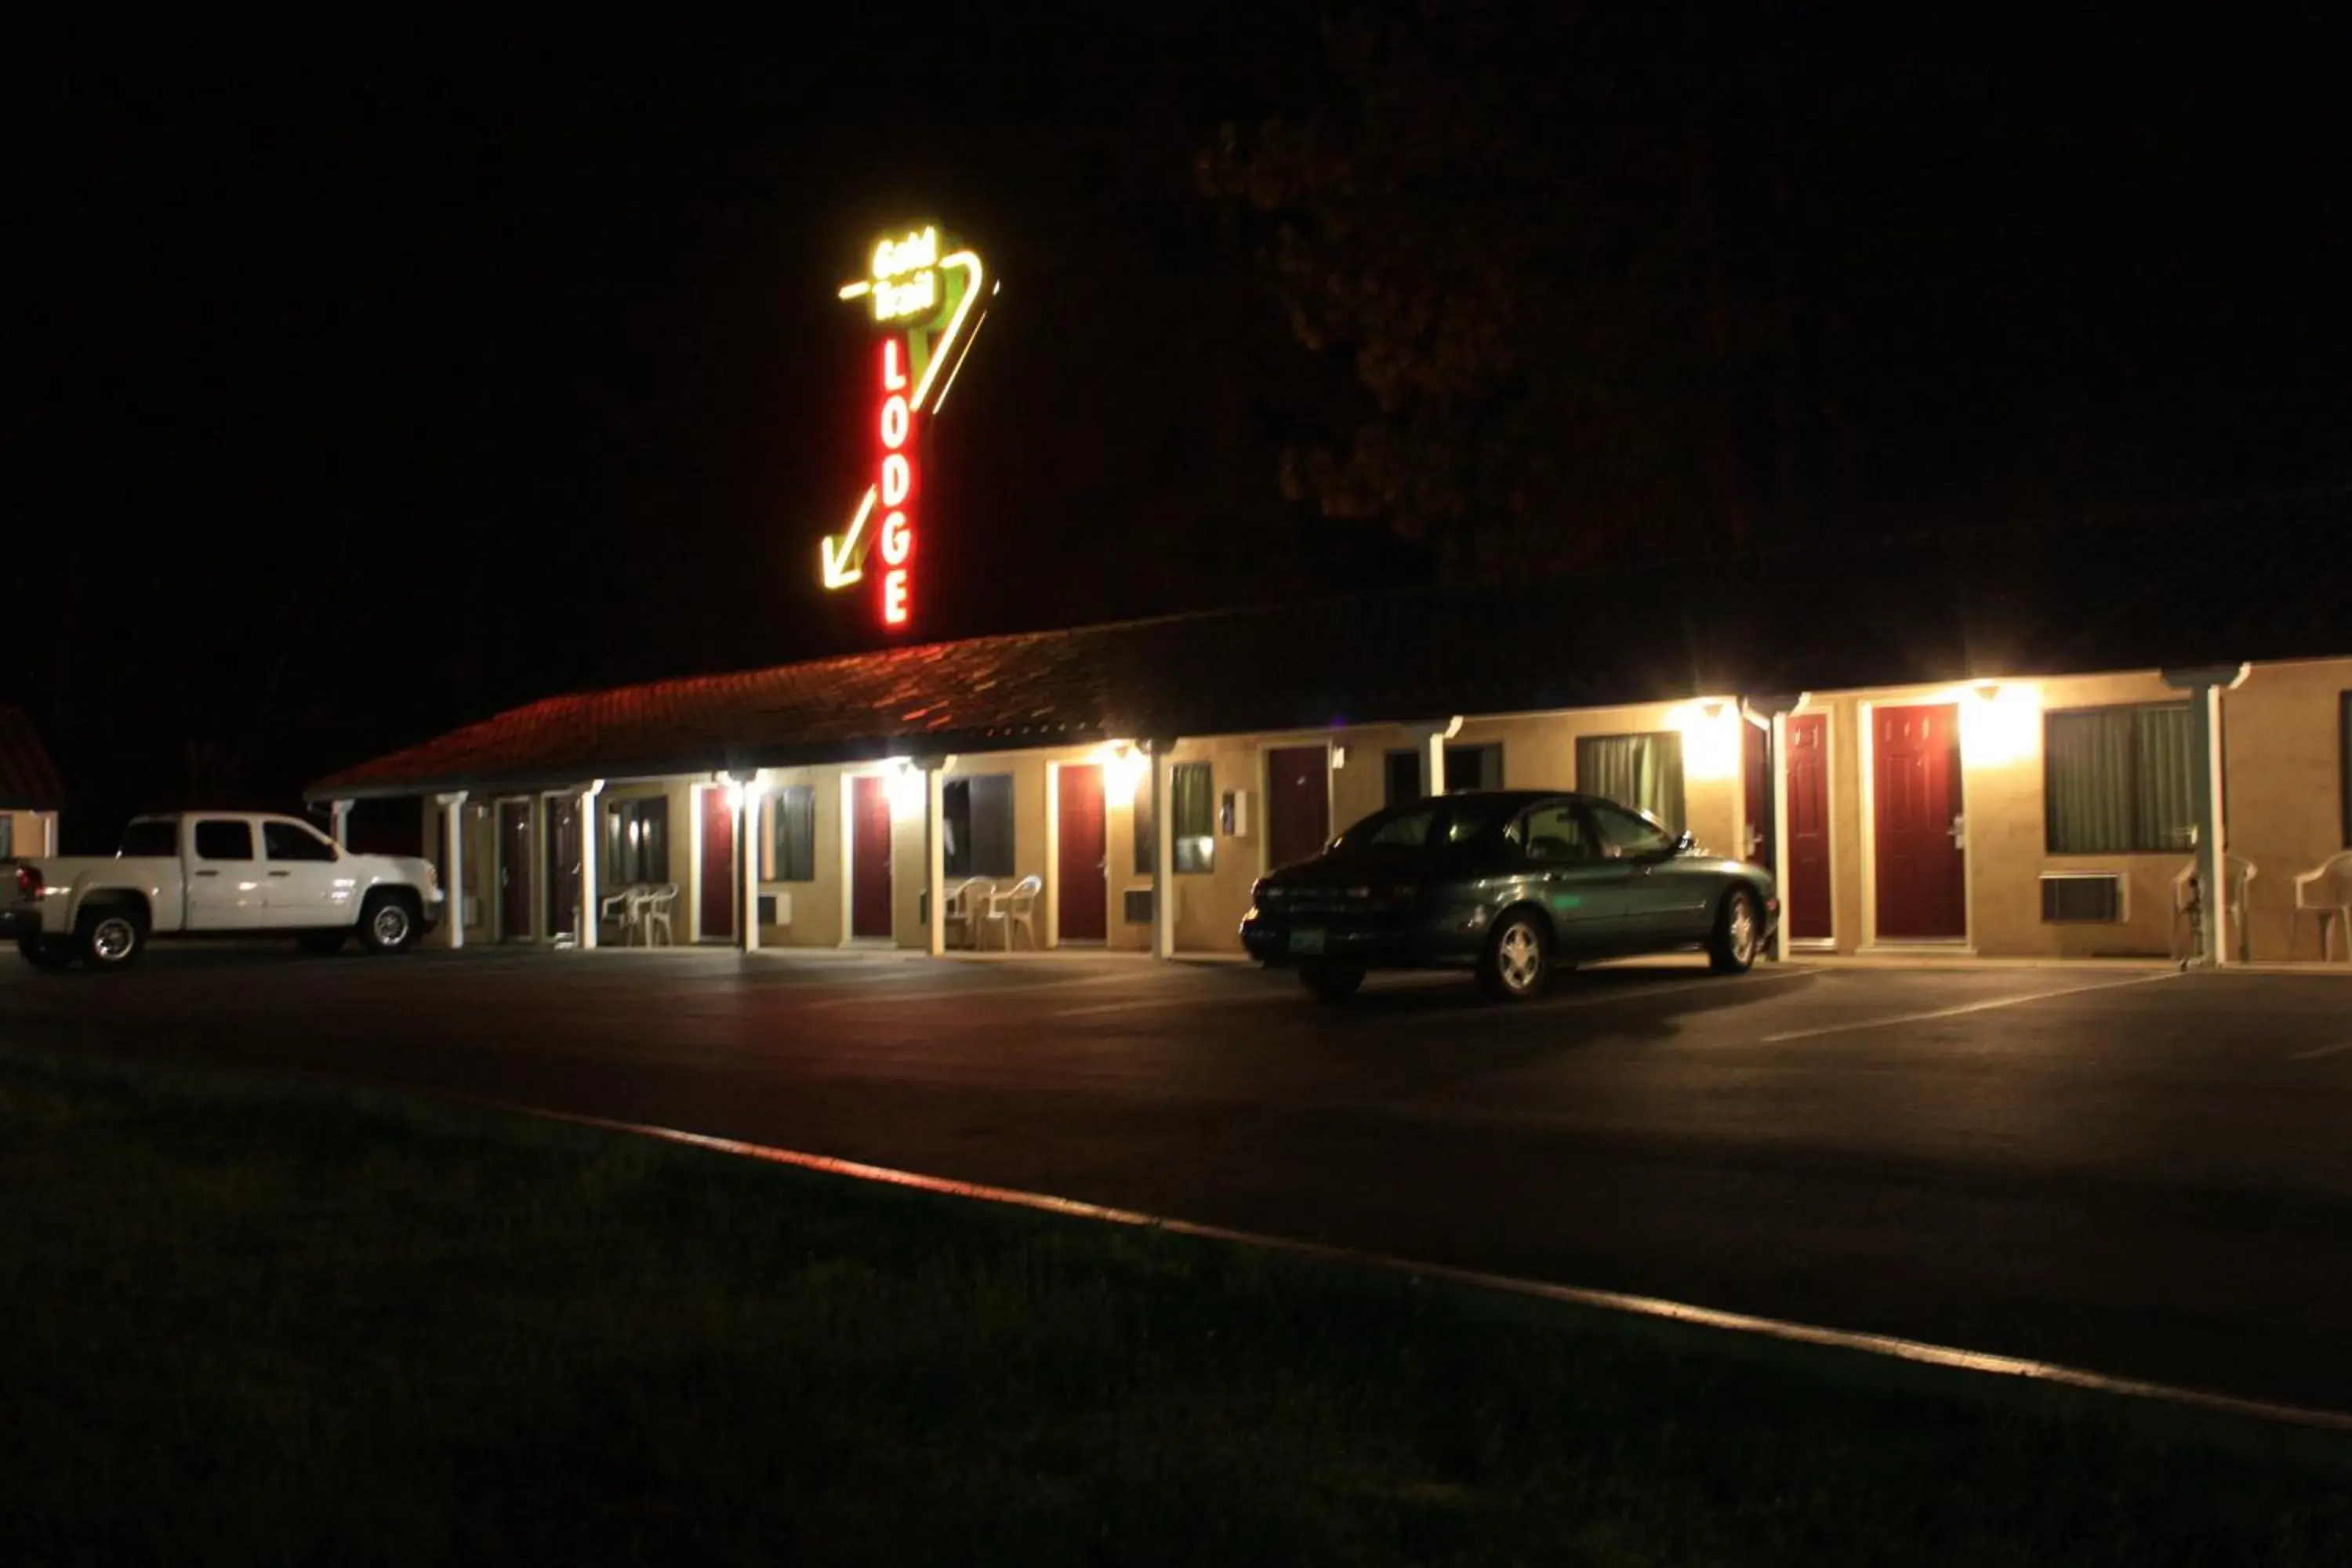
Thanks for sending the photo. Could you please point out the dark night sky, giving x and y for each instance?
(369, 378)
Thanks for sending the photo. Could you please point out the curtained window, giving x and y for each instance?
(636, 842)
(792, 833)
(977, 812)
(2118, 780)
(1193, 788)
(1466, 767)
(1643, 772)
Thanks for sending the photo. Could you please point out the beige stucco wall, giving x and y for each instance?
(2284, 754)
(29, 832)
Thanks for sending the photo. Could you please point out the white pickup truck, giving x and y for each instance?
(214, 873)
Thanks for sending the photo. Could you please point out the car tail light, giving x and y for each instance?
(28, 883)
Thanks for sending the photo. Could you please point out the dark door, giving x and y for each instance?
(1298, 803)
(563, 867)
(718, 865)
(514, 870)
(869, 857)
(1756, 772)
(1805, 901)
(1922, 875)
(1081, 895)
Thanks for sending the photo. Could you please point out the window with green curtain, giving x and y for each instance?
(1191, 786)
(1644, 771)
(2119, 780)
(792, 823)
(7, 835)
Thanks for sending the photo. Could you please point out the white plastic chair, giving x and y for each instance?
(2185, 902)
(1014, 909)
(621, 909)
(965, 902)
(2325, 891)
(653, 910)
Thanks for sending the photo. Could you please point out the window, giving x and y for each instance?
(1643, 772)
(792, 832)
(978, 816)
(1625, 835)
(636, 842)
(2344, 762)
(224, 841)
(7, 835)
(286, 841)
(1555, 833)
(151, 837)
(1398, 827)
(1466, 767)
(1193, 786)
(2118, 780)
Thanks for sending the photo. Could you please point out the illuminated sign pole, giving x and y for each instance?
(925, 312)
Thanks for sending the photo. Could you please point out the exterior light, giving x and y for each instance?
(2001, 723)
(1710, 732)
(1123, 766)
(904, 789)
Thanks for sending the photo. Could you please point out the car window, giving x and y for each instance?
(1400, 827)
(149, 838)
(1555, 833)
(1470, 818)
(224, 841)
(292, 841)
(1624, 834)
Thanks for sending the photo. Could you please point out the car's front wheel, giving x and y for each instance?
(389, 923)
(1738, 933)
(1331, 982)
(1517, 960)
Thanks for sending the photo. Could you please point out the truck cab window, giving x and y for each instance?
(292, 841)
(224, 841)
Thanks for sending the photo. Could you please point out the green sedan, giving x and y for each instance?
(1515, 884)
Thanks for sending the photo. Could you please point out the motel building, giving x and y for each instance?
(1990, 745)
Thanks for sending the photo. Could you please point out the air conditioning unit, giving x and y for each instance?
(776, 909)
(1135, 906)
(2092, 897)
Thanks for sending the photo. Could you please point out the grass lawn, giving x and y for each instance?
(245, 1324)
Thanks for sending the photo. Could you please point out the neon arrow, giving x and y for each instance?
(841, 567)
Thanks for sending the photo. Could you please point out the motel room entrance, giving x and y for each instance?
(1921, 876)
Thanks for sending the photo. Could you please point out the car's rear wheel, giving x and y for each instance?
(1738, 933)
(44, 953)
(1517, 960)
(1331, 982)
(110, 936)
(388, 923)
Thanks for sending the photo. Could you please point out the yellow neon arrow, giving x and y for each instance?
(842, 567)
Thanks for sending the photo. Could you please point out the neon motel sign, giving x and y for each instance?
(925, 308)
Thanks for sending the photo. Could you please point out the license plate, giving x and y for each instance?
(1306, 938)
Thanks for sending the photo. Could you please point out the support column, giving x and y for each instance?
(747, 839)
(340, 814)
(1163, 849)
(1779, 765)
(2205, 685)
(49, 833)
(592, 837)
(1432, 739)
(452, 890)
(935, 850)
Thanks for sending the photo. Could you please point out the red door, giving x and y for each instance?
(1080, 886)
(718, 865)
(1805, 901)
(514, 870)
(1756, 773)
(1298, 803)
(1922, 876)
(869, 857)
(564, 867)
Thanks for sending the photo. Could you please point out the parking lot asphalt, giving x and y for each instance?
(2144, 1173)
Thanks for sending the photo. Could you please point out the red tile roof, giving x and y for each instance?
(27, 780)
(2133, 592)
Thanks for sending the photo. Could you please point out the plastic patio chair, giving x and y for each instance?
(2325, 891)
(2185, 902)
(653, 910)
(965, 902)
(620, 909)
(1015, 910)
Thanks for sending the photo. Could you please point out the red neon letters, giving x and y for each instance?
(896, 483)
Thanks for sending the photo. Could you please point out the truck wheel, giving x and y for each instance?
(49, 956)
(112, 936)
(388, 922)
(324, 944)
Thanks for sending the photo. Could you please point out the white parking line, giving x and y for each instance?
(1956, 1012)
(2337, 1050)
